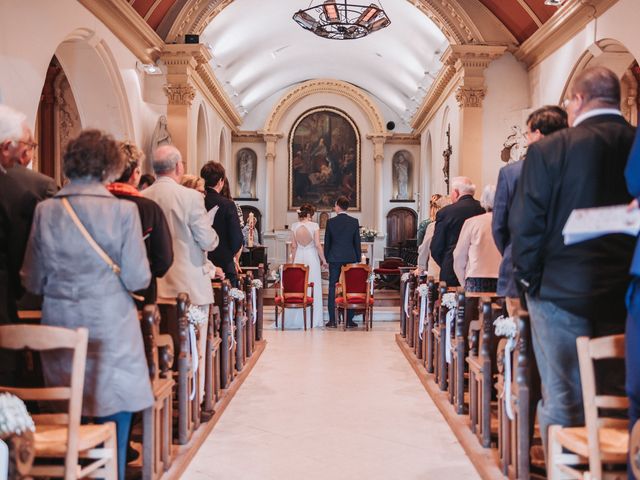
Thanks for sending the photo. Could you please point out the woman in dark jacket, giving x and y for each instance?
(155, 231)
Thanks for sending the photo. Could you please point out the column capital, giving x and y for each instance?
(469, 97)
(180, 93)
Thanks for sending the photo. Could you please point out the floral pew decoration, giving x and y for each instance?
(16, 437)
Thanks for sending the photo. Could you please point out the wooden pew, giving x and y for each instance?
(175, 322)
(483, 346)
(514, 436)
(249, 332)
(240, 324)
(432, 306)
(439, 341)
(415, 313)
(225, 332)
(403, 315)
(409, 320)
(468, 312)
(157, 421)
(257, 273)
(212, 364)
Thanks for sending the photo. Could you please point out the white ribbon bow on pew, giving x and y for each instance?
(422, 291)
(194, 359)
(254, 313)
(449, 301)
(506, 327)
(232, 322)
(406, 301)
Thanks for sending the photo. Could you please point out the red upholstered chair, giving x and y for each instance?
(388, 273)
(353, 292)
(294, 291)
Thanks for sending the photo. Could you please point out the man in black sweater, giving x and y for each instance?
(226, 222)
(449, 222)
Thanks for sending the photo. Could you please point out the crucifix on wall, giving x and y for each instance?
(446, 154)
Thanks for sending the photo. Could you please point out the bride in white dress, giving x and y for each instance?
(306, 249)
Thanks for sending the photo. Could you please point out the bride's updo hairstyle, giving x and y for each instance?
(306, 209)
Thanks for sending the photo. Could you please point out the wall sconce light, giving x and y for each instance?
(148, 68)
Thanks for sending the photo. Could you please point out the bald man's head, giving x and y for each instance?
(596, 87)
(165, 159)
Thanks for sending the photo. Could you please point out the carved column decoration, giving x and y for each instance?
(180, 94)
(470, 97)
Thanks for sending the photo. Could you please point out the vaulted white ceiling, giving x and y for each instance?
(259, 52)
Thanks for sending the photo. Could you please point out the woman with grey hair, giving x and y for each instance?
(88, 285)
(476, 259)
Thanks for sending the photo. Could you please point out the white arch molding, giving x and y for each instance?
(202, 139)
(426, 176)
(96, 82)
(222, 150)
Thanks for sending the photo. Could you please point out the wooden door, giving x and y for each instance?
(402, 223)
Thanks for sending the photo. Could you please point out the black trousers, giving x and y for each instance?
(334, 276)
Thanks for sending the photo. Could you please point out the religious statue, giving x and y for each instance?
(446, 154)
(246, 172)
(251, 230)
(161, 135)
(401, 165)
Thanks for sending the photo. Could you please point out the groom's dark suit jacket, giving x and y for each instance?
(342, 239)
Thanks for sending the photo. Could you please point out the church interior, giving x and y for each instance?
(381, 239)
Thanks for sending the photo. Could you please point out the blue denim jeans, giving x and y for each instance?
(123, 426)
(554, 332)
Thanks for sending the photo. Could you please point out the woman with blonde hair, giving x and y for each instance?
(425, 261)
(191, 181)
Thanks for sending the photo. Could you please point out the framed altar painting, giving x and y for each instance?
(324, 159)
(246, 167)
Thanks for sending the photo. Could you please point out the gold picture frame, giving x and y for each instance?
(324, 159)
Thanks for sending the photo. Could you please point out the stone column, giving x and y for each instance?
(378, 158)
(470, 62)
(271, 140)
(182, 62)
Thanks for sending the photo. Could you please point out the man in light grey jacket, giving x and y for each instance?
(192, 236)
(190, 228)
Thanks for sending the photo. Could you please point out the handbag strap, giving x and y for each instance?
(98, 249)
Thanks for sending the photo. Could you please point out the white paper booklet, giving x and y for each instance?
(587, 223)
(211, 214)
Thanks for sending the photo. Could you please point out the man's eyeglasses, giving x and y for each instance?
(32, 145)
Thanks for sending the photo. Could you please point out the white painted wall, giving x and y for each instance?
(505, 105)
(111, 93)
(549, 77)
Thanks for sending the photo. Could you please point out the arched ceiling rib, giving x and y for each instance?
(258, 50)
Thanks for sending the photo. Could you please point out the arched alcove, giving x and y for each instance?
(96, 82)
(202, 136)
(57, 121)
(614, 55)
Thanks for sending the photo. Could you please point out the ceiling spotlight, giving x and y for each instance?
(148, 68)
(554, 3)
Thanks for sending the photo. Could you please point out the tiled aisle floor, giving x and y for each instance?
(331, 405)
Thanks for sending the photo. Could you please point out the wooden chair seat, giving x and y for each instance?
(614, 442)
(51, 440)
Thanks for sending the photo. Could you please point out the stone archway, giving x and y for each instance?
(614, 55)
(202, 139)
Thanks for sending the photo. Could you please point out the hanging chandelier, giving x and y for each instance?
(342, 20)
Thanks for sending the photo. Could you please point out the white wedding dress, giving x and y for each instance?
(307, 254)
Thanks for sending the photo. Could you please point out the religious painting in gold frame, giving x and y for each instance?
(324, 159)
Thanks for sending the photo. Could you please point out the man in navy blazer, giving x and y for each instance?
(541, 122)
(632, 333)
(341, 247)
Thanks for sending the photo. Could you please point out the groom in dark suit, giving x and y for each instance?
(341, 247)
